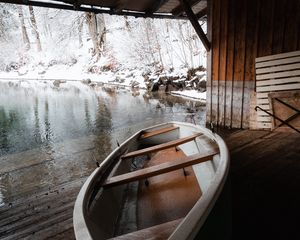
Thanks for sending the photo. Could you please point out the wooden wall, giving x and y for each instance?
(240, 31)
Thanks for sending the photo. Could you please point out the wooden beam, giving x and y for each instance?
(194, 21)
(95, 9)
(155, 6)
(161, 146)
(120, 6)
(175, 164)
(202, 13)
(179, 9)
(157, 132)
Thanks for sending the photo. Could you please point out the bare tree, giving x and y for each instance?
(182, 40)
(2, 27)
(97, 31)
(127, 25)
(35, 29)
(46, 25)
(80, 27)
(148, 30)
(158, 48)
(165, 28)
(101, 31)
(24, 30)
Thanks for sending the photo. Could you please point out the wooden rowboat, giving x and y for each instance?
(161, 183)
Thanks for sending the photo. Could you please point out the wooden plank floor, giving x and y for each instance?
(45, 215)
(265, 184)
(38, 189)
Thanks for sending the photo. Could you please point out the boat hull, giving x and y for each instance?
(97, 210)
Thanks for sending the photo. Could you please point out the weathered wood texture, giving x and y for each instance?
(161, 231)
(275, 73)
(157, 132)
(43, 215)
(265, 183)
(169, 196)
(242, 30)
(170, 9)
(289, 113)
(38, 189)
(162, 146)
(175, 164)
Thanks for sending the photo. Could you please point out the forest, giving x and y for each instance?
(41, 36)
(50, 43)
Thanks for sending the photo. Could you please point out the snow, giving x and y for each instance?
(193, 94)
(62, 72)
(158, 47)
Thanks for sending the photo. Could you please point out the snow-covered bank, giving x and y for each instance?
(177, 82)
(125, 78)
(193, 94)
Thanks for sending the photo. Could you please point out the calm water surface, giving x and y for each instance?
(51, 135)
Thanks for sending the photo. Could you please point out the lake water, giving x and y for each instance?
(50, 135)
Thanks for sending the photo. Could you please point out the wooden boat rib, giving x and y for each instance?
(159, 184)
(159, 169)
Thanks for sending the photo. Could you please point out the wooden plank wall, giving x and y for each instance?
(240, 31)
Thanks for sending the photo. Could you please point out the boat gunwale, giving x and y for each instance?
(196, 217)
(194, 220)
(83, 201)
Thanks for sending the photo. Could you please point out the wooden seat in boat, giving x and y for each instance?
(162, 146)
(157, 132)
(175, 164)
(161, 231)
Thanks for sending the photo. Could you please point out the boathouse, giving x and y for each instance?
(253, 69)
(242, 37)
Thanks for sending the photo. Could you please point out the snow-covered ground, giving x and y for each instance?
(74, 73)
(193, 94)
(127, 78)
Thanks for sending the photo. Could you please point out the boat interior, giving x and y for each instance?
(150, 183)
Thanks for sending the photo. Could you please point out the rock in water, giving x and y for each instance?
(86, 81)
(56, 83)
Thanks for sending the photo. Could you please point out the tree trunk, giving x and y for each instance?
(147, 25)
(91, 21)
(80, 26)
(23, 27)
(158, 47)
(101, 29)
(127, 25)
(35, 29)
(97, 31)
(181, 35)
(46, 25)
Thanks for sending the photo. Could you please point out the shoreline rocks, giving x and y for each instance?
(193, 80)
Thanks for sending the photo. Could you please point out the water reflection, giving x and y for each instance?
(52, 135)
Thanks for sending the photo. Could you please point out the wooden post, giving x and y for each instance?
(194, 21)
(155, 6)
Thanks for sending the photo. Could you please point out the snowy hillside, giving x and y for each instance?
(41, 43)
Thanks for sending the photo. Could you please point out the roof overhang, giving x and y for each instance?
(138, 8)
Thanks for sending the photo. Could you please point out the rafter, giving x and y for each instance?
(194, 21)
(179, 9)
(202, 13)
(156, 6)
(120, 6)
(91, 9)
